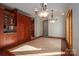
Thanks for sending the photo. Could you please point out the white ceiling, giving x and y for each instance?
(29, 7)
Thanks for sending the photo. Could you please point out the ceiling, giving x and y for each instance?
(29, 7)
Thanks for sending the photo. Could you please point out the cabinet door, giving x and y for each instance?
(27, 28)
(8, 40)
(1, 21)
(1, 27)
(32, 29)
(20, 27)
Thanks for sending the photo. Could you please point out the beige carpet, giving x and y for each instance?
(39, 47)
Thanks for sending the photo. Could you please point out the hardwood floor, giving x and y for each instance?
(64, 48)
(40, 47)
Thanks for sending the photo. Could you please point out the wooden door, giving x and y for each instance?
(69, 28)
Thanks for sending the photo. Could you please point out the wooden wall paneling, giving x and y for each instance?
(1, 21)
(1, 33)
(32, 28)
(23, 27)
(26, 27)
(20, 28)
(6, 53)
(24, 30)
(5, 38)
(8, 40)
(1, 27)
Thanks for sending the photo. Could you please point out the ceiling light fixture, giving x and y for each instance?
(51, 17)
(45, 14)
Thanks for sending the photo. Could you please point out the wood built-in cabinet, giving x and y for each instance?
(15, 28)
(9, 22)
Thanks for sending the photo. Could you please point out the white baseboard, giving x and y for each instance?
(74, 52)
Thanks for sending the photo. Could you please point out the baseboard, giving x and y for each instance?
(56, 37)
(67, 44)
(74, 52)
(51, 37)
(38, 37)
(6, 53)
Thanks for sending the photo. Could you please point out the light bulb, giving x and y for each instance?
(63, 13)
(43, 14)
(36, 9)
(52, 21)
(45, 3)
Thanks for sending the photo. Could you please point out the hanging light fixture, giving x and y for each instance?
(51, 18)
(43, 13)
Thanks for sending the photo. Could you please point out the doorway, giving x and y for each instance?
(69, 28)
(45, 28)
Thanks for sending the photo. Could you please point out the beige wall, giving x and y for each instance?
(57, 29)
(75, 9)
(38, 26)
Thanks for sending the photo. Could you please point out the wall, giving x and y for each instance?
(75, 9)
(57, 29)
(38, 26)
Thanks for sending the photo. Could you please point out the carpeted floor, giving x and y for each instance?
(39, 47)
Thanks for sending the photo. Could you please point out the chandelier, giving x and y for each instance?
(44, 14)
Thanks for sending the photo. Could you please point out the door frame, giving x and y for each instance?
(43, 27)
(69, 30)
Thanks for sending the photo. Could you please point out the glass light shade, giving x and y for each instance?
(63, 13)
(43, 14)
(36, 9)
(52, 21)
